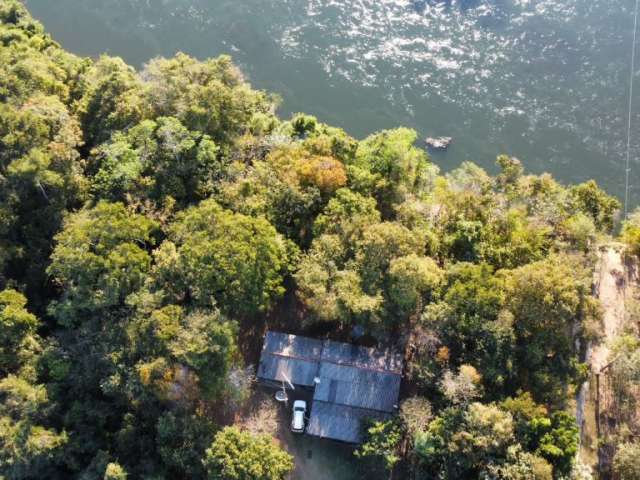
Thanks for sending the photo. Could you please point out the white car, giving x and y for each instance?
(299, 414)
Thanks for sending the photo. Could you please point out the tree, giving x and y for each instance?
(462, 443)
(182, 439)
(380, 447)
(591, 200)
(226, 257)
(520, 465)
(626, 462)
(580, 231)
(41, 178)
(19, 342)
(211, 96)
(511, 170)
(523, 409)
(331, 288)
(111, 101)
(415, 414)
(472, 325)
(347, 215)
(395, 165)
(289, 187)
(100, 258)
(157, 159)
(631, 232)
(556, 439)
(512, 240)
(205, 343)
(115, 472)
(320, 138)
(380, 244)
(27, 448)
(237, 455)
(462, 387)
(548, 300)
(413, 280)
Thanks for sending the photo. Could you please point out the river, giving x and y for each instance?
(544, 80)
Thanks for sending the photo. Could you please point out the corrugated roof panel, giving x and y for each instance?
(356, 387)
(292, 346)
(363, 357)
(339, 422)
(299, 372)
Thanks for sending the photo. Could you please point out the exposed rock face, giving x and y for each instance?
(438, 143)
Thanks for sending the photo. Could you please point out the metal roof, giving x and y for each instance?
(297, 371)
(339, 422)
(362, 357)
(292, 345)
(357, 387)
(355, 382)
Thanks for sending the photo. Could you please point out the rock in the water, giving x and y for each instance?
(439, 143)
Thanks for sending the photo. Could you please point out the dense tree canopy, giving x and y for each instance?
(225, 257)
(99, 259)
(154, 223)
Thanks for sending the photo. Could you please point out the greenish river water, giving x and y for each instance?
(544, 80)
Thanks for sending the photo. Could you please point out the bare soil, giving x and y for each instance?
(612, 289)
(611, 281)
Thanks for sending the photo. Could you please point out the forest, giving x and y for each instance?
(155, 223)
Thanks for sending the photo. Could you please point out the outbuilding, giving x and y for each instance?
(350, 383)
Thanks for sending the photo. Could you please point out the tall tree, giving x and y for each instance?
(100, 258)
(224, 257)
(237, 455)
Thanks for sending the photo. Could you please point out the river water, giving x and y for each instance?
(544, 80)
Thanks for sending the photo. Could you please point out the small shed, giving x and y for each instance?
(350, 383)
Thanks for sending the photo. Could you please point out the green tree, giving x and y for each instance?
(631, 232)
(221, 256)
(182, 439)
(380, 244)
(347, 215)
(111, 100)
(289, 187)
(27, 448)
(626, 463)
(99, 259)
(520, 465)
(413, 281)
(511, 170)
(19, 342)
(395, 165)
(556, 439)
(548, 300)
(42, 177)
(463, 443)
(380, 448)
(237, 455)
(330, 287)
(206, 345)
(593, 201)
(472, 325)
(209, 96)
(157, 159)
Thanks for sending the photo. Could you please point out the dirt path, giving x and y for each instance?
(612, 285)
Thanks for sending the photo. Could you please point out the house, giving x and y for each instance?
(349, 383)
